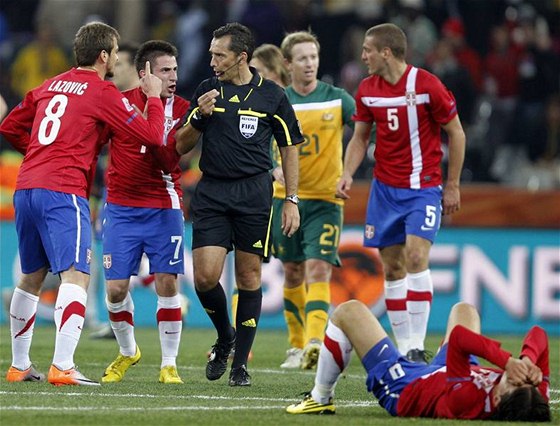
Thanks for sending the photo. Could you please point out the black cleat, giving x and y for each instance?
(217, 359)
(239, 377)
(419, 356)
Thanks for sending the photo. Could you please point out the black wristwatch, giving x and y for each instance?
(198, 121)
(292, 199)
(197, 116)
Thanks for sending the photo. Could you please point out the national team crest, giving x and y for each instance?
(248, 125)
(107, 261)
(168, 124)
(411, 98)
(369, 231)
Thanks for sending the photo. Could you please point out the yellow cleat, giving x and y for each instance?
(169, 375)
(310, 354)
(310, 406)
(115, 372)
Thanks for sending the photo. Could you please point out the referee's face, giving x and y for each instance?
(224, 62)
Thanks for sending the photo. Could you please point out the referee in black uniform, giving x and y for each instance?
(237, 112)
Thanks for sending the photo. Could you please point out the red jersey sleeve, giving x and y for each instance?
(463, 343)
(535, 347)
(460, 386)
(16, 127)
(363, 113)
(443, 106)
(119, 114)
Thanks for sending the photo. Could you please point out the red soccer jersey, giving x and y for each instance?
(143, 176)
(66, 115)
(408, 116)
(462, 390)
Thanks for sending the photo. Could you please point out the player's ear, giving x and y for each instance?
(496, 398)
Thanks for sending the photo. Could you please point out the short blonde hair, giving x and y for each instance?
(296, 38)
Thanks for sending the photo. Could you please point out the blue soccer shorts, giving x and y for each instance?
(388, 372)
(393, 213)
(128, 232)
(54, 230)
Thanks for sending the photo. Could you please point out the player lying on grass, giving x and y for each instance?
(452, 386)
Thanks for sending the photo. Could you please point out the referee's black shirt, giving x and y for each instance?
(236, 137)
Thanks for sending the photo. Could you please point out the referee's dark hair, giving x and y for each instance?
(151, 50)
(242, 39)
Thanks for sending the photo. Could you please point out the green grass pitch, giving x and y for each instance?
(140, 400)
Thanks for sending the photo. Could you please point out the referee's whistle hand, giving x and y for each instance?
(207, 101)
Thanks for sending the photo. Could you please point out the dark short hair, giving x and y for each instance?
(151, 50)
(242, 39)
(91, 39)
(129, 47)
(391, 36)
(524, 404)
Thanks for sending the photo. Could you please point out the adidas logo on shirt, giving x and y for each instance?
(234, 98)
(250, 323)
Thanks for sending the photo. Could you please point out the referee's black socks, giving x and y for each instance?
(214, 303)
(248, 314)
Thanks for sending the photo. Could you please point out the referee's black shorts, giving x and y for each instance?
(228, 213)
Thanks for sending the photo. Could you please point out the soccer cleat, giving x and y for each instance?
(115, 371)
(310, 354)
(239, 377)
(293, 358)
(418, 355)
(29, 375)
(105, 332)
(71, 376)
(310, 406)
(217, 360)
(169, 375)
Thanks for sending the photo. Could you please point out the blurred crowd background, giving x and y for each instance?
(501, 59)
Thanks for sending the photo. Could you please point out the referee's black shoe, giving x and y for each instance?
(218, 357)
(239, 377)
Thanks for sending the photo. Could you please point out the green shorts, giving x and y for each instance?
(318, 236)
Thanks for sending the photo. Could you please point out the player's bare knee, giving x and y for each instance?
(116, 291)
(463, 312)
(348, 313)
(294, 274)
(416, 261)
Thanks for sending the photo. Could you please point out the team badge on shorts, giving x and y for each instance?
(107, 261)
(248, 125)
(369, 231)
(88, 256)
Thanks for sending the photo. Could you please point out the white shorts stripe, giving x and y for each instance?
(78, 228)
